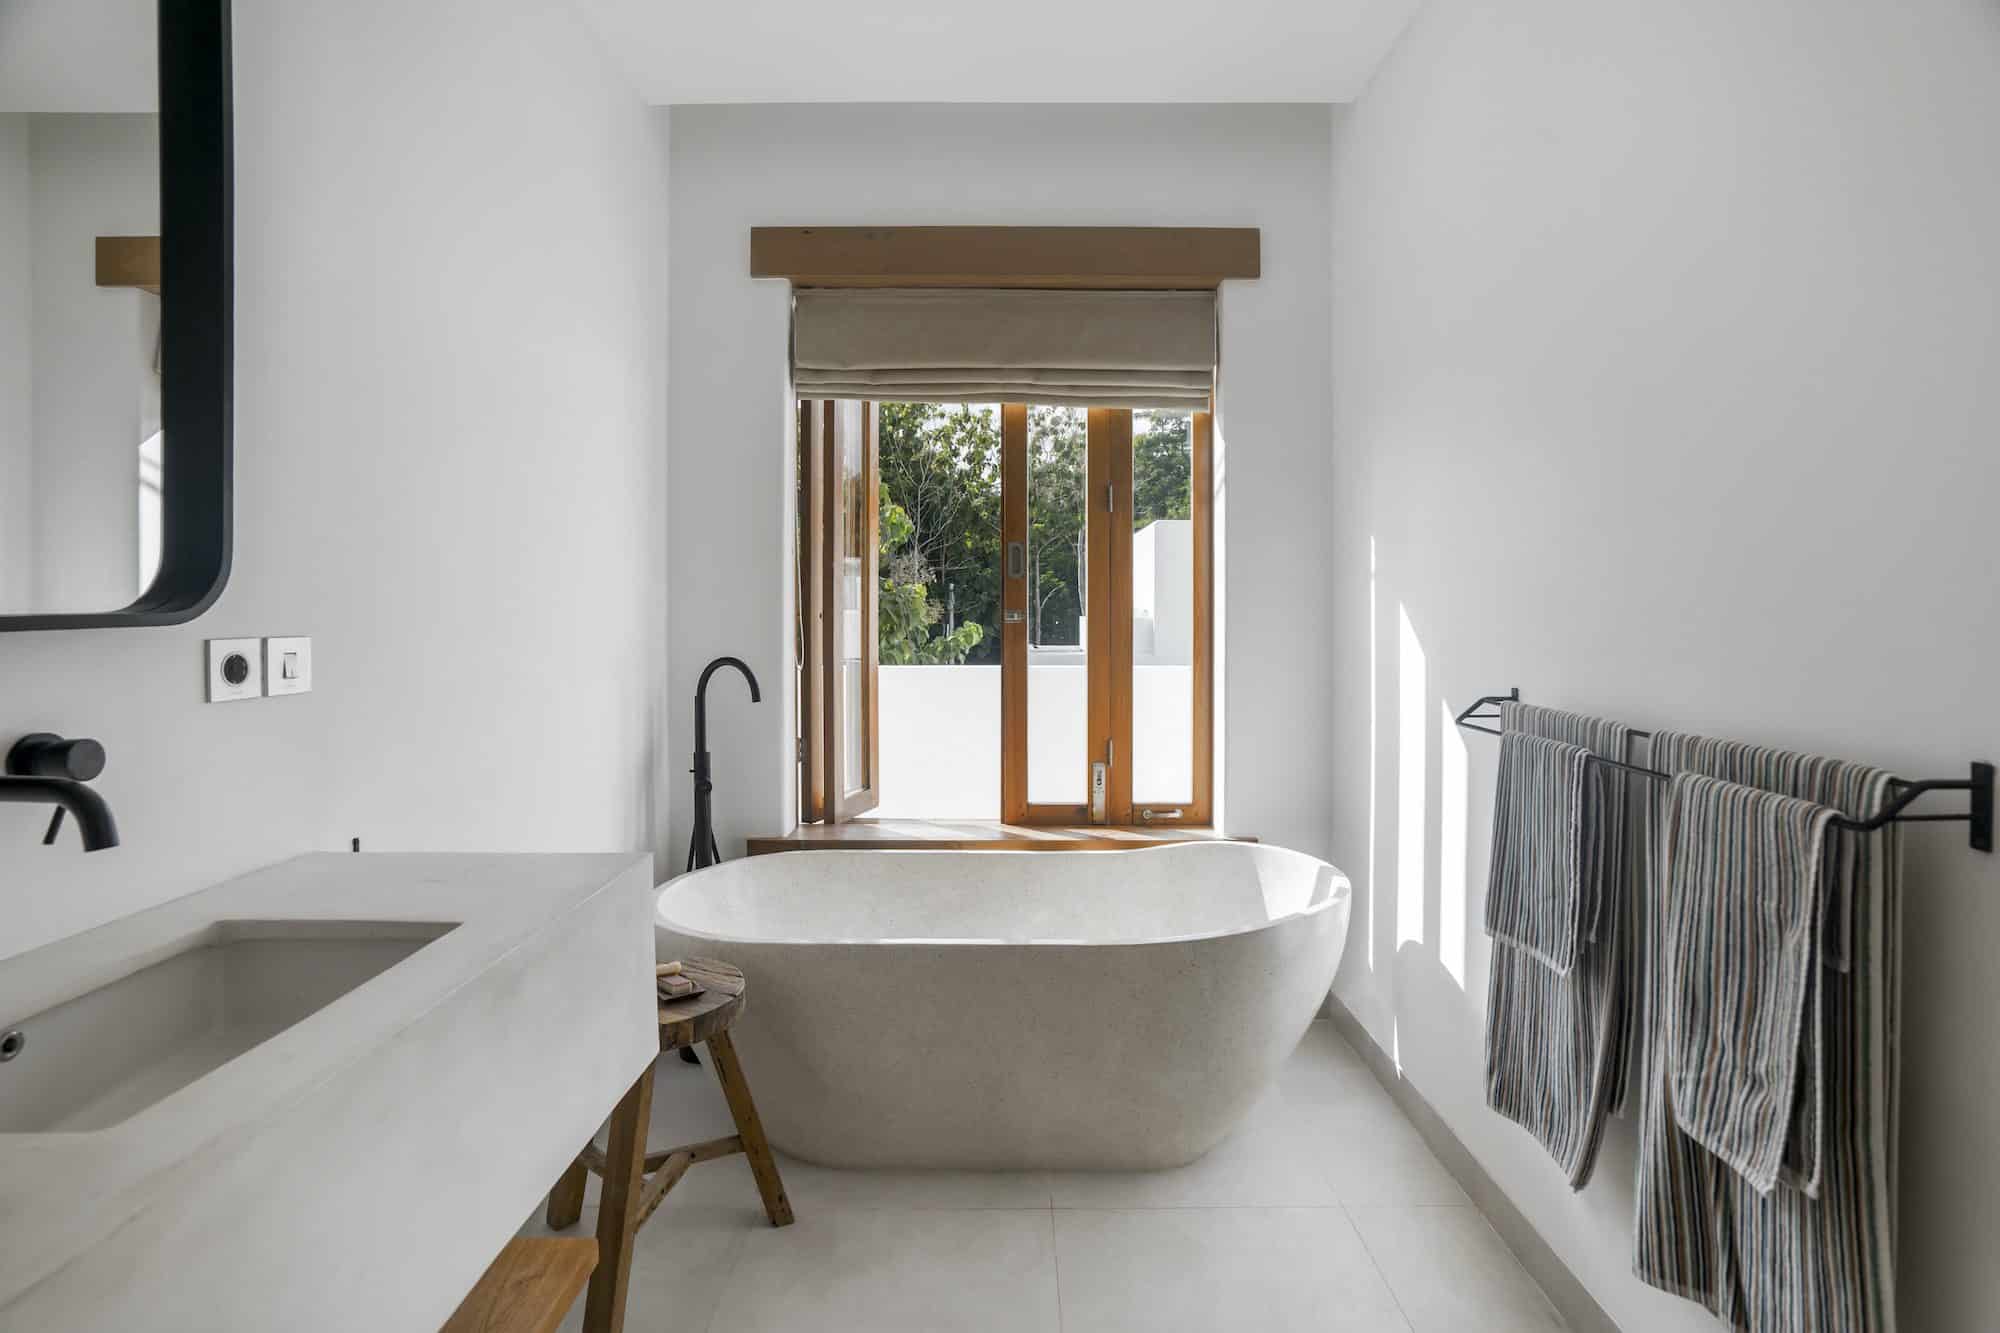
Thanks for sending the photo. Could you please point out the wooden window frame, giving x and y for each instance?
(843, 802)
(1108, 652)
(823, 794)
(1108, 598)
(814, 428)
(1199, 811)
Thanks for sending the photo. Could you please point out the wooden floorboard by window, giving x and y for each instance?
(976, 835)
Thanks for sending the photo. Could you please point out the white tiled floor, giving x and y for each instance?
(1325, 1211)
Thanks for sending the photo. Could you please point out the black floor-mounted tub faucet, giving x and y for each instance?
(702, 850)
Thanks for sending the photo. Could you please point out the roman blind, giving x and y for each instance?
(1079, 348)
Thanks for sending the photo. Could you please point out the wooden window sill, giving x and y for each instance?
(977, 835)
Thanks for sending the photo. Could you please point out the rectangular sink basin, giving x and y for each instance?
(103, 1057)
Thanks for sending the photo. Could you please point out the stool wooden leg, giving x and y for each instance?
(566, 1199)
(729, 1070)
(618, 1208)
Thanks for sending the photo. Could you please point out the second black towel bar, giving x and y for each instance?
(1978, 787)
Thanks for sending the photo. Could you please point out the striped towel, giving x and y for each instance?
(1784, 1260)
(1555, 1041)
(1742, 951)
(1546, 807)
(1852, 789)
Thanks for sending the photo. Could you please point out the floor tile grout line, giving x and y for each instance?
(1519, 1267)
(1283, 1206)
(1313, 1106)
(1376, 1264)
(735, 1261)
(1333, 1207)
(1055, 1258)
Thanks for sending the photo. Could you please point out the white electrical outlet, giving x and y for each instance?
(235, 669)
(288, 666)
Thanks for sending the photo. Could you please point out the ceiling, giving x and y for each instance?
(77, 55)
(97, 55)
(998, 50)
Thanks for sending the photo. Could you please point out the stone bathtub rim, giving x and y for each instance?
(1336, 879)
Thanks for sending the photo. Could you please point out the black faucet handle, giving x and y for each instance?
(55, 827)
(43, 754)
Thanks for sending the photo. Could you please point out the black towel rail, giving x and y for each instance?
(1978, 787)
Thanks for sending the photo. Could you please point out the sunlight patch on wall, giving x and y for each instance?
(1413, 717)
(1374, 754)
(1452, 799)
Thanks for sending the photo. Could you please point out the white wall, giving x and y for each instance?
(730, 424)
(1163, 591)
(93, 175)
(1664, 347)
(17, 433)
(940, 738)
(450, 350)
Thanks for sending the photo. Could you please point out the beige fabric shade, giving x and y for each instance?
(1076, 348)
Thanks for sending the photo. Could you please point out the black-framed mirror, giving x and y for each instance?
(115, 311)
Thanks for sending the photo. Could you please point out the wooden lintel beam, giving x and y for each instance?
(1158, 258)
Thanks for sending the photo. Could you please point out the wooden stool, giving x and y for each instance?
(699, 1018)
(528, 1289)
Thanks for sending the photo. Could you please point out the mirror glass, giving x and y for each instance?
(80, 422)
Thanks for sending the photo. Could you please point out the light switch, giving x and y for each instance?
(235, 670)
(287, 666)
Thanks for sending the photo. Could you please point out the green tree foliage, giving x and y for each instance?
(909, 634)
(940, 468)
(940, 538)
(1057, 468)
(1162, 456)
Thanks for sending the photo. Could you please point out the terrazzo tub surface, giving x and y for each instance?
(1015, 1010)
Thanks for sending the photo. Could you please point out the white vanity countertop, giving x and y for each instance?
(527, 989)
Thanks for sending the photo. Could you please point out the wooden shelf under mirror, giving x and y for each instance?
(129, 261)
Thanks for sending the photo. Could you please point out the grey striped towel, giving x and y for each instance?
(1540, 895)
(1744, 893)
(1784, 1260)
(1850, 789)
(1556, 1041)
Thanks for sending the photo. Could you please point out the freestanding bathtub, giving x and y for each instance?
(1009, 1010)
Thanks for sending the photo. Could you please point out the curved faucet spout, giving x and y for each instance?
(702, 850)
(93, 816)
(701, 696)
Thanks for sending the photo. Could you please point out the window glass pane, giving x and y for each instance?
(1058, 673)
(1162, 608)
(856, 513)
(807, 644)
(939, 611)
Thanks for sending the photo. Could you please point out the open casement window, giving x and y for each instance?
(1068, 551)
(809, 624)
(840, 732)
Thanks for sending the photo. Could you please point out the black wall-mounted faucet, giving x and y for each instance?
(46, 769)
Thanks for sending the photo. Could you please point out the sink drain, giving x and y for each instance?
(11, 1044)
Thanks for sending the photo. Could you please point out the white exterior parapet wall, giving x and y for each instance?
(940, 725)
